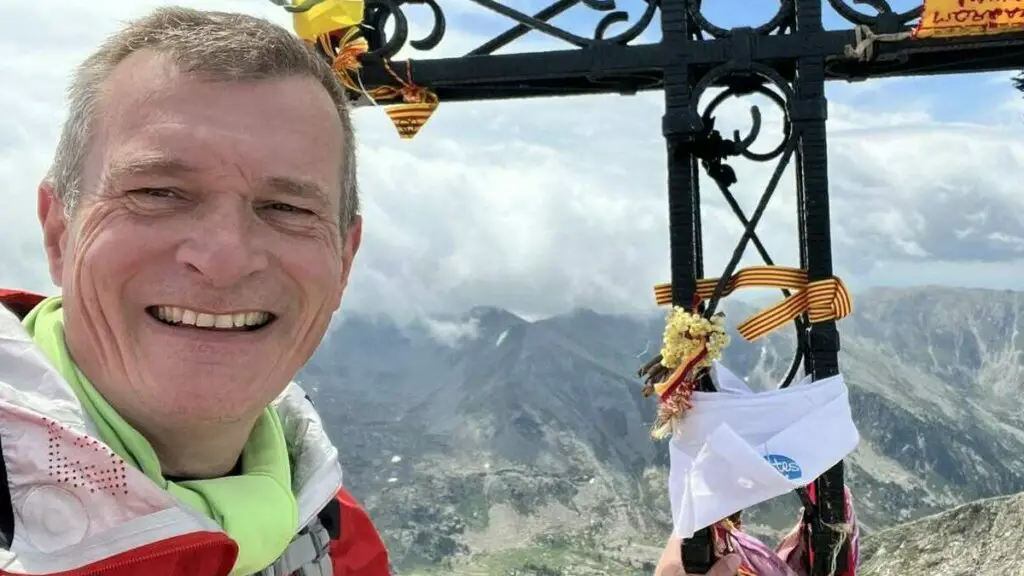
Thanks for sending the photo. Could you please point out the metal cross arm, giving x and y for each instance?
(608, 66)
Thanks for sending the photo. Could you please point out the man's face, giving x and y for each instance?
(204, 261)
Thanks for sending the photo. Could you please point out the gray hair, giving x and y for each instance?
(219, 45)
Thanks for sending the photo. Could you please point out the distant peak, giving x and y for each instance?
(583, 312)
(479, 322)
(493, 316)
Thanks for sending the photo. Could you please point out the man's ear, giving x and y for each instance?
(353, 237)
(54, 224)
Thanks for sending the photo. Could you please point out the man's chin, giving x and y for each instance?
(234, 367)
(210, 393)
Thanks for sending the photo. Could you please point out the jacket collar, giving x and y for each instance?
(54, 459)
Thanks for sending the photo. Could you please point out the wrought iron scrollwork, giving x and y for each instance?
(379, 12)
(713, 150)
(780, 20)
(619, 17)
(540, 21)
(884, 16)
(738, 85)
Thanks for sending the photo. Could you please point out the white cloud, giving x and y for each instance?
(453, 333)
(542, 205)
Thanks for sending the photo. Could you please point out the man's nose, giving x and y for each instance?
(224, 246)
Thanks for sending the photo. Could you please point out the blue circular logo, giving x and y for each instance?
(785, 465)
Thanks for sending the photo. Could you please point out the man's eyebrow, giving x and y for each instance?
(155, 165)
(294, 188)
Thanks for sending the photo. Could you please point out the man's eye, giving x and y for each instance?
(282, 207)
(155, 192)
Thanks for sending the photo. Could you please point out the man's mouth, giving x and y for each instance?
(236, 321)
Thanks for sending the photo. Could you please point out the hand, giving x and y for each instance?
(671, 562)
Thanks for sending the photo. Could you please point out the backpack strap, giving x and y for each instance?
(330, 517)
(309, 553)
(20, 304)
(6, 506)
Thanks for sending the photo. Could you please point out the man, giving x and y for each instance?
(201, 220)
(671, 562)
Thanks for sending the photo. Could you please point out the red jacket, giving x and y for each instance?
(69, 522)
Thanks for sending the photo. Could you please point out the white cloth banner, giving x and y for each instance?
(736, 448)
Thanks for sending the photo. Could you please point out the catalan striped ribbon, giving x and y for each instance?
(683, 373)
(823, 300)
(346, 59)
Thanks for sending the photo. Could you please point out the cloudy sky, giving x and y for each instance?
(543, 205)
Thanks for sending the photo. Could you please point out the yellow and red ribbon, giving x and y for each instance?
(822, 300)
(684, 373)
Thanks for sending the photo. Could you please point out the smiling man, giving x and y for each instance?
(201, 220)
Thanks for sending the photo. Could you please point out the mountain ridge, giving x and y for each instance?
(518, 440)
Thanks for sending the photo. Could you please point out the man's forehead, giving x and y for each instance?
(155, 117)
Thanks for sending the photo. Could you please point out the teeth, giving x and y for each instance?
(178, 315)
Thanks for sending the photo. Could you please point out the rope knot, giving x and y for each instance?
(865, 40)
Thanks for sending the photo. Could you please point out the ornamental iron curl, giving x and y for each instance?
(379, 12)
(779, 21)
(600, 30)
(884, 16)
(738, 85)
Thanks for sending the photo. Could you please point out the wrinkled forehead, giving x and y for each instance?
(153, 117)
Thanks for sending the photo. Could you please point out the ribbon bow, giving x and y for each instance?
(823, 300)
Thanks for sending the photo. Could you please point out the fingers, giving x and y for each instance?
(669, 566)
(670, 563)
(727, 566)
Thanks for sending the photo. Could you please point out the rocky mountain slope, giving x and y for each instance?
(487, 444)
(982, 538)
